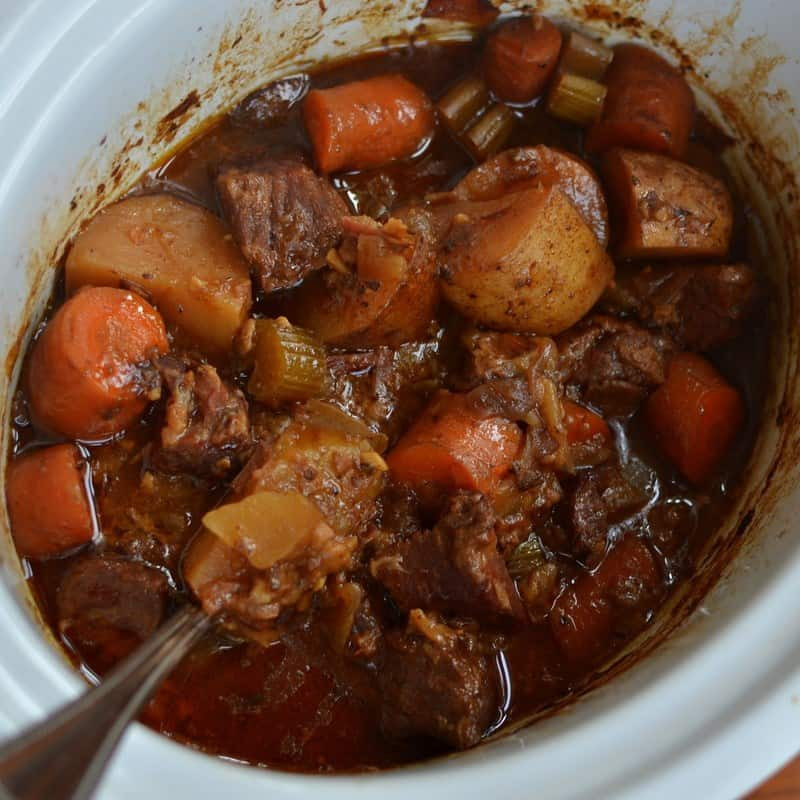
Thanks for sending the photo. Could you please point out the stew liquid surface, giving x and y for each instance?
(519, 493)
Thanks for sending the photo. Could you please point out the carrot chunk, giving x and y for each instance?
(86, 378)
(649, 105)
(583, 617)
(520, 58)
(454, 446)
(584, 425)
(694, 416)
(365, 124)
(48, 502)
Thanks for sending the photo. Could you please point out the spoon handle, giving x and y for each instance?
(64, 756)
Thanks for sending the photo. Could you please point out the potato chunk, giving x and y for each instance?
(662, 208)
(180, 254)
(526, 261)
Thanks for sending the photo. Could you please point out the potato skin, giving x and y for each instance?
(526, 262)
(664, 208)
(523, 167)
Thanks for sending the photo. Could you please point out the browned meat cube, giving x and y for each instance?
(109, 605)
(284, 218)
(207, 427)
(456, 568)
(662, 208)
(700, 306)
(436, 681)
(602, 497)
(615, 364)
(385, 386)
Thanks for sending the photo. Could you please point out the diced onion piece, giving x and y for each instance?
(584, 56)
(331, 417)
(576, 99)
(266, 527)
(463, 103)
(490, 132)
(289, 363)
(525, 557)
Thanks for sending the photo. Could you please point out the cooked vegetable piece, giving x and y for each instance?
(463, 103)
(526, 262)
(179, 254)
(207, 562)
(48, 501)
(323, 456)
(390, 296)
(520, 57)
(454, 445)
(584, 425)
(289, 363)
(491, 131)
(526, 556)
(666, 209)
(695, 416)
(649, 105)
(582, 55)
(583, 618)
(575, 99)
(526, 167)
(475, 12)
(88, 374)
(266, 527)
(366, 124)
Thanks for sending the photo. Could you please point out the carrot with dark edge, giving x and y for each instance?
(648, 105)
(87, 378)
(48, 501)
(520, 57)
(583, 425)
(582, 619)
(695, 416)
(366, 124)
(454, 445)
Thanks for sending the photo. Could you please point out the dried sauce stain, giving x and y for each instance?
(171, 122)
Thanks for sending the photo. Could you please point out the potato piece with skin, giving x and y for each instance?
(523, 167)
(179, 254)
(526, 262)
(389, 299)
(664, 208)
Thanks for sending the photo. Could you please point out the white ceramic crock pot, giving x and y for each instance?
(86, 87)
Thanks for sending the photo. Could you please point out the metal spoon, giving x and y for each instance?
(63, 757)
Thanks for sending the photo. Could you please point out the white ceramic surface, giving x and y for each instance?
(708, 714)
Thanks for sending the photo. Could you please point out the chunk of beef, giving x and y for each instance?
(699, 306)
(436, 681)
(613, 363)
(602, 497)
(521, 506)
(455, 568)
(284, 217)
(108, 605)
(207, 428)
(386, 387)
(270, 105)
